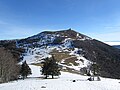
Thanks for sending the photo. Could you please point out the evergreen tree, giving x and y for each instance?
(95, 71)
(45, 67)
(25, 70)
(50, 67)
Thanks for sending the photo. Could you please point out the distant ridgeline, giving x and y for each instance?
(116, 46)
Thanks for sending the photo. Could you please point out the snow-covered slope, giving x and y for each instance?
(59, 44)
(63, 82)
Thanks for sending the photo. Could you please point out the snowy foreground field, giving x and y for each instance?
(63, 82)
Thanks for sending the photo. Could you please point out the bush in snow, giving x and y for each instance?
(94, 78)
(85, 71)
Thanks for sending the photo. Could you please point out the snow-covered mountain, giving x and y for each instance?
(59, 44)
(72, 51)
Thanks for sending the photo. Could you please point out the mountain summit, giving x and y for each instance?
(64, 33)
(72, 50)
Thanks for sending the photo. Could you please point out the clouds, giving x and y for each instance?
(109, 36)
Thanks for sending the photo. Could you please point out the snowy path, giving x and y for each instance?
(62, 83)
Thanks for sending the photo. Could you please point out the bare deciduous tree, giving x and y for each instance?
(9, 69)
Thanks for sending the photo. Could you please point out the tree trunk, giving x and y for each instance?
(52, 76)
(23, 77)
(93, 78)
(46, 76)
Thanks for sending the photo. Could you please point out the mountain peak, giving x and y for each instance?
(59, 31)
(69, 33)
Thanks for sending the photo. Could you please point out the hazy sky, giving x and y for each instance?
(98, 19)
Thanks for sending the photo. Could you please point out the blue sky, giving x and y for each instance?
(98, 19)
